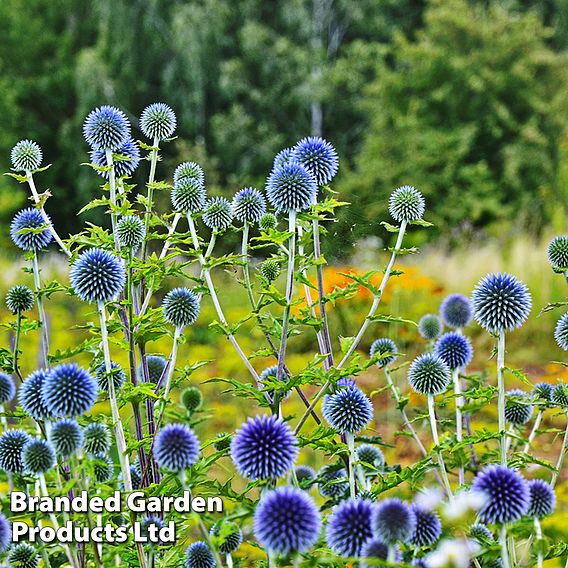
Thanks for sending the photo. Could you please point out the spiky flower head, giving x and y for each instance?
(12, 443)
(97, 276)
(318, 156)
(156, 365)
(23, 555)
(429, 375)
(222, 441)
(348, 410)
(103, 468)
(5, 533)
(291, 188)
(542, 499)
(181, 307)
(249, 205)
(373, 550)
(561, 332)
(192, 399)
(394, 521)
(26, 156)
(268, 376)
(406, 203)
(349, 527)
(96, 439)
(543, 391)
(332, 481)
(501, 302)
(106, 128)
(218, 214)
(305, 475)
(130, 231)
(189, 170)
(560, 394)
(283, 157)
(148, 522)
(19, 299)
(430, 327)
(480, 532)
(116, 373)
(29, 230)
(264, 447)
(7, 388)
(176, 447)
(506, 494)
(517, 409)
(268, 221)
(69, 390)
(557, 253)
(270, 269)
(125, 164)
(158, 121)
(199, 555)
(228, 535)
(384, 348)
(454, 349)
(427, 529)
(188, 195)
(66, 436)
(38, 456)
(286, 521)
(30, 396)
(372, 458)
(456, 311)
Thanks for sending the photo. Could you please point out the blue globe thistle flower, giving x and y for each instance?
(23, 555)
(430, 327)
(156, 365)
(103, 468)
(69, 390)
(38, 456)
(106, 128)
(560, 394)
(222, 441)
(283, 157)
(29, 230)
(347, 410)
(429, 375)
(249, 205)
(130, 231)
(97, 276)
(188, 195)
(542, 499)
(270, 269)
(454, 349)
(5, 534)
(456, 311)
(480, 533)
(375, 549)
(268, 221)
(561, 332)
(30, 396)
(557, 253)
(394, 521)
(506, 493)
(19, 299)
(96, 439)
(332, 482)
(406, 203)
(318, 156)
(189, 170)
(116, 372)
(385, 348)
(7, 388)
(427, 529)
(305, 475)
(517, 411)
(543, 391)
(192, 399)
(264, 447)
(181, 307)
(372, 458)
(125, 165)
(230, 535)
(158, 120)
(349, 527)
(176, 447)
(12, 443)
(148, 522)
(198, 555)
(291, 188)
(26, 156)
(287, 520)
(218, 214)
(345, 382)
(501, 302)
(269, 374)
(67, 437)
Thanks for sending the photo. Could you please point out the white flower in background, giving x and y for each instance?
(454, 553)
(463, 504)
(429, 498)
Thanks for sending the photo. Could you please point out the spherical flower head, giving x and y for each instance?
(106, 128)
(560, 395)
(7, 388)
(506, 494)
(318, 156)
(429, 375)
(222, 441)
(176, 447)
(69, 390)
(38, 456)
(428, 528)
(348, 410)
(67, 437)
(12, 443)
(557, 253)
(96, 439)
(305, 475)
(561, 332)
(542, 499)
(124, 165)
(189, 170)
(332, 482)
(218, 214)
(456, 311)
(158, 121)
(406, 203)
(268, 221)
(103, 468)
(372, 458)
(283, 157)
(188, 195)
(480, 533)
(264, 447)
(430, 327)
(454, 349)
(517, 409)
(130, 231)
(192, 399)
(349, 527)
(116, 373)
(394, 521)
(268, 376)
(156, 365)
(5, 533)
(501, 302)
(373, 550)
(286, 521)
(181, 307)
(291, 188)
(30, 396)
(29, 230)
(199, 555)
(543, 391)
(97, 276)
(249, 205)
(146, 523)
(385, 349)
(19, 299)
(270, 269)
(26, 156)
(228, 535)
(23, 555)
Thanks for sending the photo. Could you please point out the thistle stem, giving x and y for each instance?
(538, 535)
(501, 395)
(561, 456)
(459, 402)
(246, 273)
(440, 458)
(350, 439)
(504, 548)
(229, 560)
(150, 196)
(15, 363)
(391, 554)
(534, 430)
(112, 188)
(41, 312)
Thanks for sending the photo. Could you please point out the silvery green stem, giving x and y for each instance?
(297, 561)
(350, 439)
(15, 364)
(245, 259)
(459, 419)
(172, 362)
(3, 417)
(150, 197)
(41, 312)
(229, 560)
(504, 548)
(561, 456)
(440, 458)
(112, 187)
(501, 395)
(391, 555)
(538, 535)
(534, 430)
(207, 255)
(271, 559)
(43, 552)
